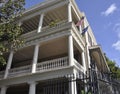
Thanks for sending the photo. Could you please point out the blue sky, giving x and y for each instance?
(104, 19)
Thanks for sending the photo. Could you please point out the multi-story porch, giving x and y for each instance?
(59, 85)
(52, 41)
(53, 47)
(51, 54)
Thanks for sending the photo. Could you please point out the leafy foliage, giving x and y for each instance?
(113, 68)
(10, 31)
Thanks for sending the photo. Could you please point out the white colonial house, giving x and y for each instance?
(54, 47)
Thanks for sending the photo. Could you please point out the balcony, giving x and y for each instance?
(103, 76)
(49, 65)
(78, 65)
(20, 71)
(59, 29)
(41, 67)
(52, 64)
(46, 31)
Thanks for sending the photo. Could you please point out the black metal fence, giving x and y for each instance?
(90, 82)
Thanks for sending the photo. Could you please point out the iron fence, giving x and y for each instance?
(83, 83)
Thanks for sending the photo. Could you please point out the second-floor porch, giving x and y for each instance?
(47, 56)
(51, 65)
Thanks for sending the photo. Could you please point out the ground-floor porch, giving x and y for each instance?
(69, 84)
(45, 56)
(41, 67)
(47, 83)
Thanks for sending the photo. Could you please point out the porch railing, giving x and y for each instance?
(2, 74)
(103, 76)
(41, 67)
(20, 71)
(57, 25)
(28, 36)
(79, 66)
(52, 64)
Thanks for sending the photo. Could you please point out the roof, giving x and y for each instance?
(97, 53)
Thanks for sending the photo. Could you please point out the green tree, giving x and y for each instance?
(10, 30)
(115, 70)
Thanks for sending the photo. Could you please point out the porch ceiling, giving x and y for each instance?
(47, 49)
(23, 54)
(58, 14)
(54, 48)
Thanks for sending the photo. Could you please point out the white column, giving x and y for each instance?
(70, 50)
(87, 50)
(3, 90)
(40, 22)
(9, 63)
(71, 87)
(32, 88)
(80, 28)
(83, 60)
(35, 58)
(84, 65)
(69, 12)
(72, 84)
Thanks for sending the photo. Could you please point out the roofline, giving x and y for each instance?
(40, 5)
(40, 8)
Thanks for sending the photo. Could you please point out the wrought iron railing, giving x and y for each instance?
(103, 76)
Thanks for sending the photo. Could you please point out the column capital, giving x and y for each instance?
(36, 45)
(32, 88)
(42, 13)
(32, 82)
